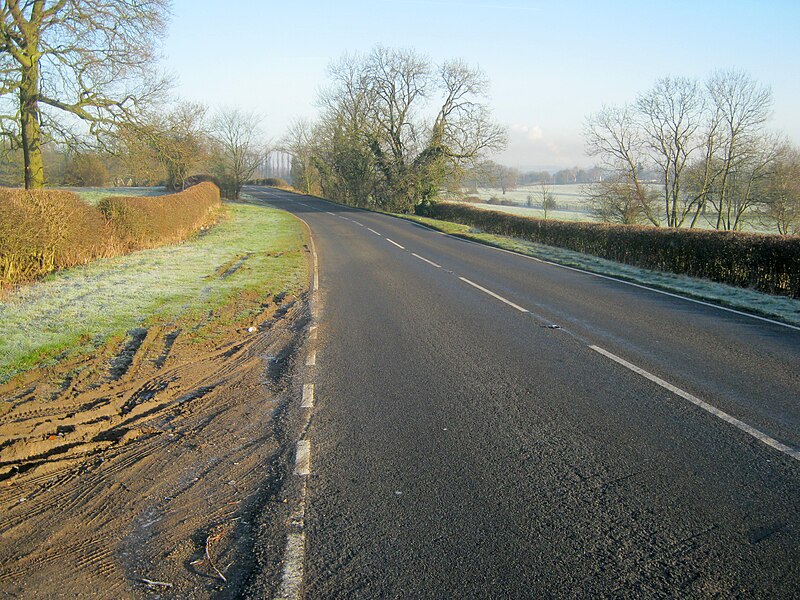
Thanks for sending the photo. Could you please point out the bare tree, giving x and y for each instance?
(672, 114)
(179, 139)
(507, 178)
(237, 150)
(547, 199)
(742, 107)
(781, 193)
(613, 135)
(299, 143)
(89, 61)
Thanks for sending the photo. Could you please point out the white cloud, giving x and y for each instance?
(529, 132)
(530, 146)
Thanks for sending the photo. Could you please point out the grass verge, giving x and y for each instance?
(253, 253)
(777, 307)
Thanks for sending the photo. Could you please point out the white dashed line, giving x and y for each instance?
(293, 561)
(330, 213)
(422, 258)
(302, 460)
(312, 332)
(308, 396)
(759, 435)
(396, 244)
(375, 232)
(357, 223)
(493, 295)
(312, 359)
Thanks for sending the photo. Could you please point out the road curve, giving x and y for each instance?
(489, 426)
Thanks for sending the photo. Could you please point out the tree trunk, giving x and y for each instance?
(31, 130)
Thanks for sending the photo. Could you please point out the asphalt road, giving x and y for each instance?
(489, 426)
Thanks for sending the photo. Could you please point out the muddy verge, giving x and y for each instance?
(153, 468)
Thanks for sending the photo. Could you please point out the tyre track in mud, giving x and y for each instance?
(127, 467)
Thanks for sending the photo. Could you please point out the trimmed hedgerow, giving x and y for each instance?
(768, 263)
(145, 222)
(45, 230)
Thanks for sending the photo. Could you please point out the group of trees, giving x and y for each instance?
(491, 174)
(394, 129)
(79, 82)
(708, 145)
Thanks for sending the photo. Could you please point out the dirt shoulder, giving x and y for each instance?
(157, 459)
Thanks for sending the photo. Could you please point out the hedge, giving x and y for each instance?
(768, 263)
(45, 230)
(144, 222)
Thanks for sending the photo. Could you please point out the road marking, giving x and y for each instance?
(611, 278)
(357, 223)
(293, 560)
(759, 435)
(308, 396)
(312, 332)
(312, 359)
(430, 262)
(493, 295)
(375, 232)
(330, 213)
(315, 284)
(302, 460)
(395, 243)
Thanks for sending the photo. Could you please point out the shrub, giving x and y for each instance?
(146, 222)
(45, 230)
(768, 263)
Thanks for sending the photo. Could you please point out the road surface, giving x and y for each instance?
(485, 425)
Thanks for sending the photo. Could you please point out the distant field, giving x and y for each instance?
(573, 204)
(94, 195)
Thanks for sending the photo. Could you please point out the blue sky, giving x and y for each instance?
(550, 63)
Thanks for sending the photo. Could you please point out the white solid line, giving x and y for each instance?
(293, 560)
(302, 460)
(493, 295)
(375, 232)
(611, 278)
(308, 396)
(430, 262)
(312, 359)
(395, 243)
(759, 435)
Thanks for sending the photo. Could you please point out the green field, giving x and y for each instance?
(253, 248)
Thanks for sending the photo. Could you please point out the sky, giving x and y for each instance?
(550, 64)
